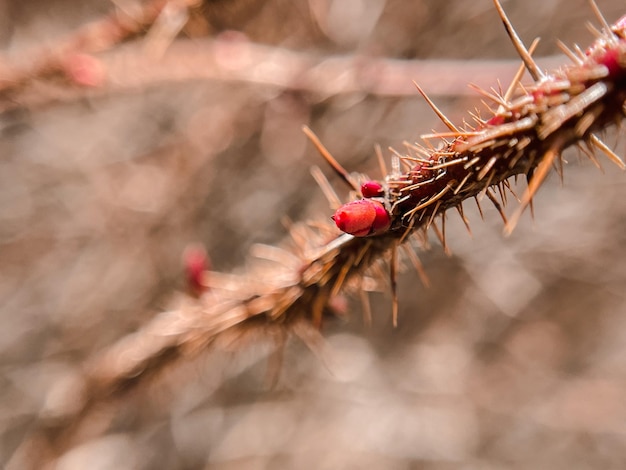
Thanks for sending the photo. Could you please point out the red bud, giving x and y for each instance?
(362, 218)
(372, 189)
(196, 262)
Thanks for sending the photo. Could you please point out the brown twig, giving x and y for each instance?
(92, 38)
(234, 59)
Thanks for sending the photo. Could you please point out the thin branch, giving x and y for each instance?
(238, 60)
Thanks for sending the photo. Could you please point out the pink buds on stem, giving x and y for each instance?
(362, 218)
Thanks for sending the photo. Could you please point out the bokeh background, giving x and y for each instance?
(515, 357)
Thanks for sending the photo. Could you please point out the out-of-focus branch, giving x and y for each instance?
(93, 37)
(91, 63)
(240, 60)
(233, 58)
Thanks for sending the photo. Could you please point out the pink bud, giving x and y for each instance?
(362, 218)
(196, 263)
(85, 70)
(372, 189)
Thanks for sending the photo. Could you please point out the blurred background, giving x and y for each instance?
(515, 357)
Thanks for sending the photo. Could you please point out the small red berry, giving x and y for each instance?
(362, 218)
(85, 70)
(196, 263)
(372, 189)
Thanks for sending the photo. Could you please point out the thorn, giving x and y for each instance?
(367, 307)
(407, 163)
(341, 277)
(489, 108)
(476, 117)
(594, 31)
(597, 143)
(407, 231)
(463, 181)
(432, 216)
(471, 163)
(413, 187)
(488, 184)
(530, 64)
(437, 111)
(446, 249)
(397, 154)
(587, 120)
(430, 146)
(589, 153)
(480, 209)
(448, 163)
(428, 202)
(560, 171)
(459, 208)
(533, 185)
(520, 72)
(377, 272)
(442, 238)
(381, 160)
(580, 52)
(492, 198)
(531, 205)
(499, 90)
(502, 194)
(393, 267)
(395, 166)
(507, 185)
(485, 169)
(326, 187)
(489, 95)
(314, 340)
(418, 148)
(417, 264)
(340, 170)
(317, 309)
(569, 53)
(361, 254)
(602, 20)
(275, 360)
(454, 135)
(276, 255)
